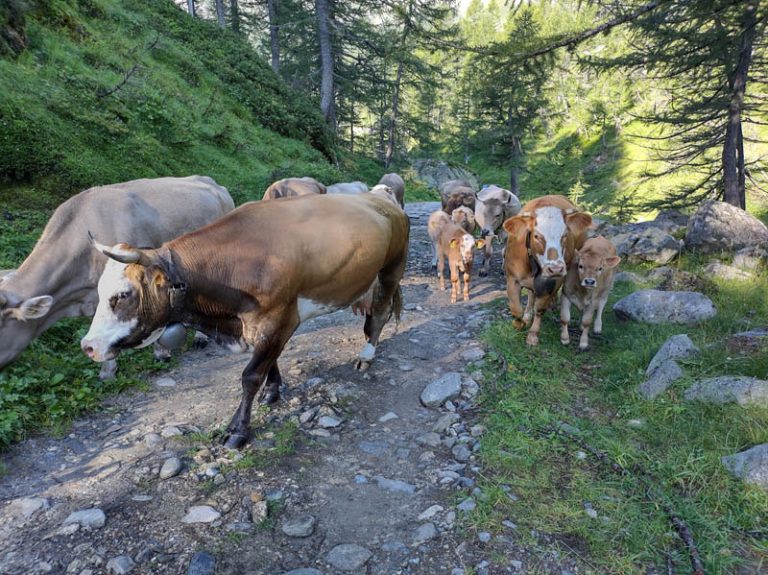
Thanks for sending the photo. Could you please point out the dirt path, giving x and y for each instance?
(367, 468)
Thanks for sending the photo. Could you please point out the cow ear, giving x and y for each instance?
(32, 308)
(578, 222)
(480, 244)
(612, 261)
(454, 242)
(516, 224)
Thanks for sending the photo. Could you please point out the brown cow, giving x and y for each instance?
(236, 283)
(293, 188)
(455, 193)
(464, 218)
(542, 240)
(587, 284)
(397, 184)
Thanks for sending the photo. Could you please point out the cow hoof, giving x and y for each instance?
(235, 440)
(269, 397)
(362, 366)
(200, 341)
(518, 323)
(584, 349)
(565, 340)
(532, 339)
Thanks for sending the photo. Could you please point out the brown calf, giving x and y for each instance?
(293, 188)
(457, 245)
(587, 284)
(541, 243)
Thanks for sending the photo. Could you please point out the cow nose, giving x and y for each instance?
(485, 233)
(87, 348)
(589, 282)
(556, 269)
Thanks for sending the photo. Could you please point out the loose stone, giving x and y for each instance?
(120, 565)
(388, 417)
(201, 514)
(395, 485)
(202, 563)
(467, 505)
(302, 526)
(429, 513)
(87, 518)
(425, 533)
(328, 422)
(348, 556)
(171, 467)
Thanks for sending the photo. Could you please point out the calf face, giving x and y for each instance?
(593, 266)
(464, 217)
(134, 304)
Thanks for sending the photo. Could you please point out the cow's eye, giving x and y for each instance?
(123, 295)
(599, 269)
(581, 267)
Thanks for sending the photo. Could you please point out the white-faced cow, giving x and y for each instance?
(455, 193)
(58, 279)
(493, 206)
(293, 188)
(233, 281)
(587, 285)
(348, 188)
(542, 241)
(397, 184)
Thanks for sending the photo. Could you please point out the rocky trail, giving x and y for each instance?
(349, 473)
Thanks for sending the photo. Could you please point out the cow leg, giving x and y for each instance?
(515, 307)
(599, 315)
(271, 391)
(467, 274)
(487, 256)
(200, 340)
(270, 336)
(108, 370)
(434, 255)
(440, 268)
(541, 305)
(528, 315)
(586, 322)
(565, 319)
(454, 281)
(387, 299)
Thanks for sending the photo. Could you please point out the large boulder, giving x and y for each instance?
(730, 389)
(651, 244)
(717, 227)
(751, 465)
(655, 306)
(434, 173)
(663, 369)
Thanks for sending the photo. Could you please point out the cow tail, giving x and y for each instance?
(397, 304)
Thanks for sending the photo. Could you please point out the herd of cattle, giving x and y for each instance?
(248, 277)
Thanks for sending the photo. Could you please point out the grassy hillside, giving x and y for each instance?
(107, 91)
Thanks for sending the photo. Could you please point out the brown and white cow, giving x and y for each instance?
(58, 279)
(397, 184)
(587, 285)
(233, 281)
(542, 241)
(293, 188)
(493, 206)
(455, 193)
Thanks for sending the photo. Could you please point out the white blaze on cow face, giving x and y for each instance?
(551, 230)
(107, 327)
(467, 245)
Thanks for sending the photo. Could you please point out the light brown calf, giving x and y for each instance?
(293, 188)
(587, 284)
(457, 245)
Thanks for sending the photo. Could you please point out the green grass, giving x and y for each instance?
(678, 444)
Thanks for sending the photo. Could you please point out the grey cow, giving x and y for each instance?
(493, 205)
(58, 279)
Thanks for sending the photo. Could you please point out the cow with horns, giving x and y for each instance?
(232, 281)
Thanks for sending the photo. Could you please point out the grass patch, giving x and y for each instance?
(679, 444)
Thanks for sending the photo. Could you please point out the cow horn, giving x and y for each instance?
(125, 256)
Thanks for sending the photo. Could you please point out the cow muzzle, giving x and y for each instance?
(96, 352)
(588, 282)
(554, 269)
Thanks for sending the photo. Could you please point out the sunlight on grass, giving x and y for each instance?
(668, 444)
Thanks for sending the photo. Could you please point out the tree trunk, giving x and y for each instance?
(393, 116)
(515, 155)
(327, 102)
(234, 12)
(274, 41)
(733, 149)
(220, 13)
(191, 7)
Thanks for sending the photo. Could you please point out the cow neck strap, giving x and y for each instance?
(178, 290)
